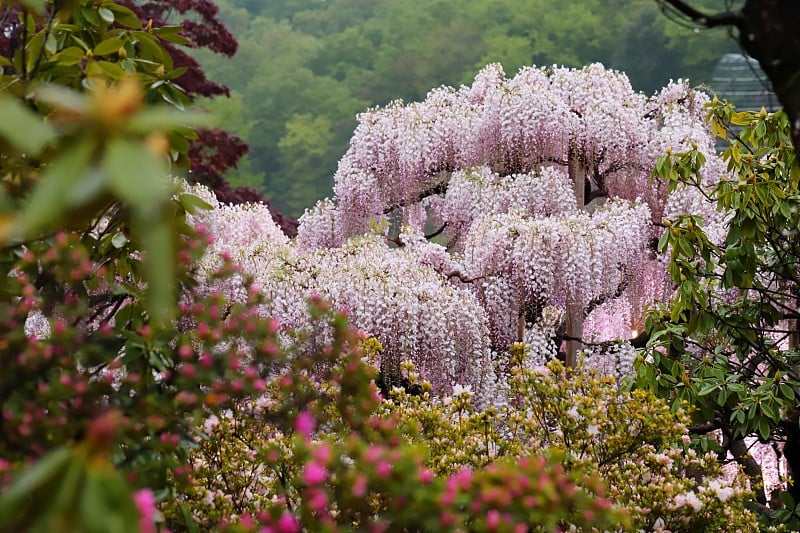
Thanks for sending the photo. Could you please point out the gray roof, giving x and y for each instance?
(740, 80)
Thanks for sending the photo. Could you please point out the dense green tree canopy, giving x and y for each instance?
(306, 67)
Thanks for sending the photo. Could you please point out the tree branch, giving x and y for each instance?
(439, 188)
(725, 18)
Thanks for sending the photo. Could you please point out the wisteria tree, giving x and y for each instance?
(515, 209)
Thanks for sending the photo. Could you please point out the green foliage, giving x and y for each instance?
(72, 489)
(727, 343)
(92, 138)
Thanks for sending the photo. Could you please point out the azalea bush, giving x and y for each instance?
(95, 412)
(430, 454)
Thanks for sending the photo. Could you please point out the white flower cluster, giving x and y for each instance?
(615, 359)
(37, 325)
(576, 258)
(396, 295)
(478, 192)
(400, 154)
(492, 165)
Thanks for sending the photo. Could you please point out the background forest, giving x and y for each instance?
(305, 68)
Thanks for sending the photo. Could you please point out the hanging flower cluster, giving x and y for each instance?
(537, 191)
(395, 295)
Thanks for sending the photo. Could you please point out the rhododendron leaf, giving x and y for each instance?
(188, 521)
(171, 34)
(165, 118)
(707, 389)
(787, 391)
(135, 175)
(109, 46)
(18, 118)
(69, 56)
(49, 196)
(124, 16)
(159, 266)
(764, 428)
(174, 96)
(36, 5)
(17, 501)
(65, 494)
(192, 204)
(106, 68)
(106, 14)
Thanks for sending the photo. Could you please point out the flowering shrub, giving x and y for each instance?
(116, 390)
(449, 465)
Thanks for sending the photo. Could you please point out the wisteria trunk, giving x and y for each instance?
(574, 311)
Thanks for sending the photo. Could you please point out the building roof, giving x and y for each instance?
(740, 80)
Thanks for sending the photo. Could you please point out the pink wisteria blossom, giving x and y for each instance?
(515, 209)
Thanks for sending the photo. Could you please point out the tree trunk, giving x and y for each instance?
(752, 469)
(574, 311)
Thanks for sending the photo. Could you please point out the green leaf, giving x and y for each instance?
(16, 500)
(34, 50)
(135, 175)
(69, 56)
(61, 98)
(106, 14)
(106, 502)
(171, 34)
(786, 391)
(764, 428)
(159, 266)
(48, 199)
(165, 118)
(91, 16)
(173, 96)
(109, 46)
(17, 119)
(663, 241)
(722, 397)
(86, 189)
(68, 484)
(125, 16)
(36, 5)
(707, 389)
(150, 49)
(192, 204)
(188, 521)
(106, 69)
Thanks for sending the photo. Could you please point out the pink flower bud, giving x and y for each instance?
(304, 423)
(314, 474)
